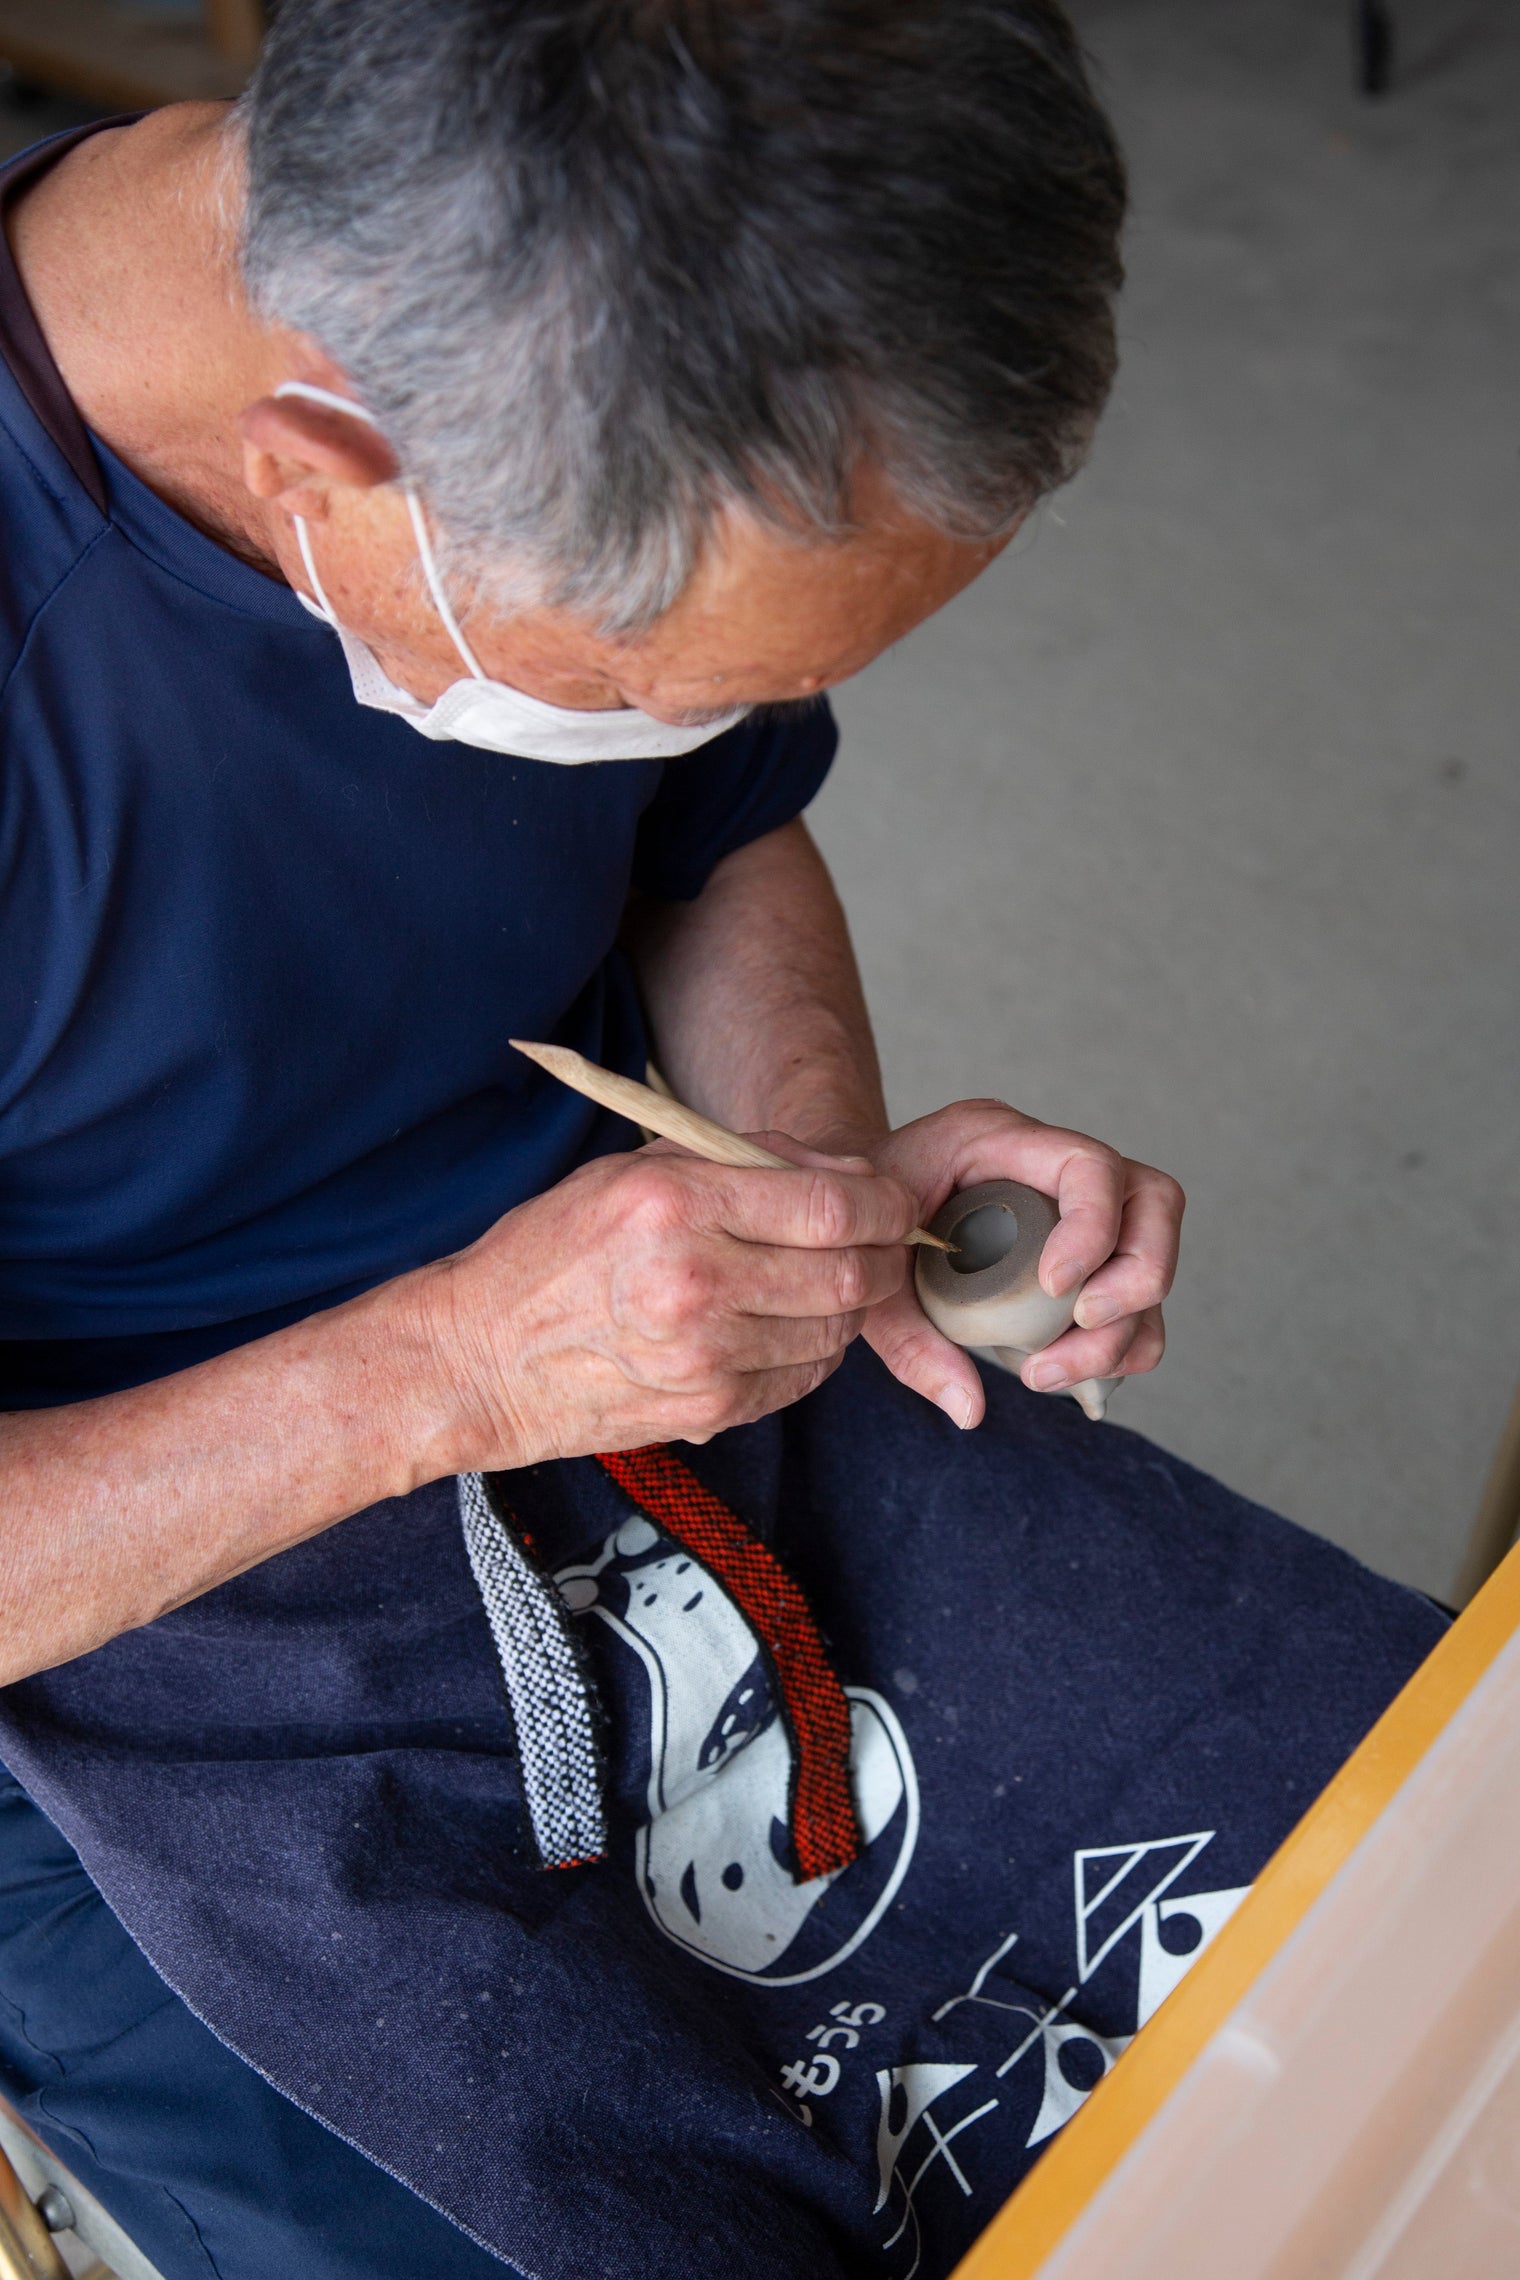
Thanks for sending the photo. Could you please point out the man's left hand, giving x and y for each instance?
(1116, 1239)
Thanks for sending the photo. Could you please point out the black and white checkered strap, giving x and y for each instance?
(548, 1686)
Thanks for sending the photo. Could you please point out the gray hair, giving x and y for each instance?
(606, 269)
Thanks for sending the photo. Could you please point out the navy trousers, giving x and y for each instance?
(205, 2166)
(1089, 1692)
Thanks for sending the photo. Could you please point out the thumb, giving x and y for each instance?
(917, 1355)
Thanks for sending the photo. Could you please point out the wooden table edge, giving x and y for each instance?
(1039, 2213)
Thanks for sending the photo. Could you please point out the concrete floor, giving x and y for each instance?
(1195, 822)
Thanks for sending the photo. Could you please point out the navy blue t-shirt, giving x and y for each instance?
(261, 950)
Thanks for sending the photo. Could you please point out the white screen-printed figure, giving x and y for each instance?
(712, 1859)
(1127, 1918)
(903, 2161)
(1173, 1934)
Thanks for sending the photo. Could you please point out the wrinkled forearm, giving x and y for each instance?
(754, 998)
(114, 1510)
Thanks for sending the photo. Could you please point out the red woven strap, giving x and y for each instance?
(824, 1832)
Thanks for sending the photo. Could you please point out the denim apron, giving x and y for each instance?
(1075, 1694)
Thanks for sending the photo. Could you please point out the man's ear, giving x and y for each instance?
(299, 452)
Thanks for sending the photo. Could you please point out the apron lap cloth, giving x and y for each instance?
(211, 2174)
(1076, 1692)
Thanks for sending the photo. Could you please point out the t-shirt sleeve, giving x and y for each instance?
(745, 783)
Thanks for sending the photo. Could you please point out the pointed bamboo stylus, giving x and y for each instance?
(657, 1112)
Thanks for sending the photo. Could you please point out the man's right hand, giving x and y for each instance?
(652, 1297)
(648, 1297)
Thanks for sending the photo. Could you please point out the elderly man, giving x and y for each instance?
(516, 1757)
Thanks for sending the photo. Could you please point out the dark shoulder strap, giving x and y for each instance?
(21, 341)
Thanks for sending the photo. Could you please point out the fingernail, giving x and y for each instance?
(1064, 1276)
(956, 1404)
(1046, 1376)
(1092, 1313)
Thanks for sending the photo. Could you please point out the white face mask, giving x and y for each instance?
(487, 713)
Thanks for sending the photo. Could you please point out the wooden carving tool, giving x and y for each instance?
(657, 1112)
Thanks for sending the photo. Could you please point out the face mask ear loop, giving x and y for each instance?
(435, 584)
(330, 397)
(303, 540)
(337, 403)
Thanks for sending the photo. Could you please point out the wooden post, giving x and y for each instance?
(125, 60)
(28, 2250)
(1498, 1523)
(235, 28)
